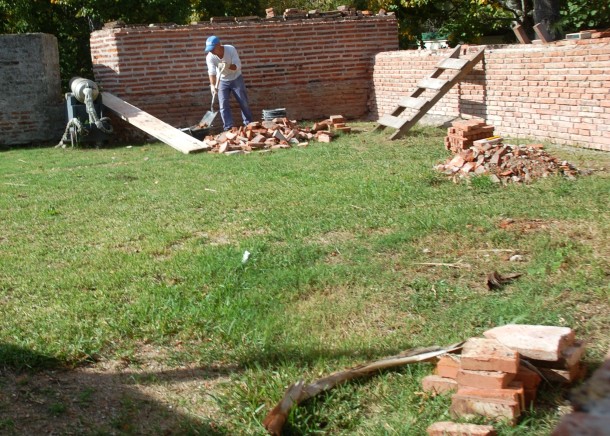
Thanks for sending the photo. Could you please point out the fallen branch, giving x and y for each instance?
(299, 392)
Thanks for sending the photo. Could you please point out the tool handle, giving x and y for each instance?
(217, 83)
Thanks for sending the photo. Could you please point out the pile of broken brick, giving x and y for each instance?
(275, 134)
(497, 377)
(477, 152)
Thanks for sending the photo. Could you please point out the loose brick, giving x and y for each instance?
(484, 379)
(437, 384)
(569, 357)
(470, 407)
(448, 428)
(480, 354)
(514, 392)
(564, 376)
(448, 366)
(534, 341)
(529, 378)
(323, 137)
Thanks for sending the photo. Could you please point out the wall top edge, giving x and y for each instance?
(490, 48)
(262, 22)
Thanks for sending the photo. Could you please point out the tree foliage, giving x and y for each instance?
(585, 14)
(71, 21)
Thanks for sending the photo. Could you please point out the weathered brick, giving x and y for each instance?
(529, 378)
(448, 428)
(480, 354)
(513, 391)
(448, 366)
(484, 379)
(464, 406)
(437, 384)
(534, 341)
(569, 357)
(565, 376)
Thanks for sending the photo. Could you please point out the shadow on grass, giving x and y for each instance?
(40, 395)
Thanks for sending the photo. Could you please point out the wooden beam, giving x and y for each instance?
(542, 33)
(521, 35)
(153, 126)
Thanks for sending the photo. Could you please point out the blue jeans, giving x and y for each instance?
(238, 88)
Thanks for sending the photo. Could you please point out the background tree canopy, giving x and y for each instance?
(71, 21)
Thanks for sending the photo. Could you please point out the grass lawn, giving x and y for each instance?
(125, 266)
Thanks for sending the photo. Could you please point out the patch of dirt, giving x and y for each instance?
(113, 397)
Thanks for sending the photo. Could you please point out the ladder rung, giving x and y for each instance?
(452, 64)
(392, 121)
(430, 83)
(412, 102)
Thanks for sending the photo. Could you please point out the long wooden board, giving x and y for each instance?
(153, 126)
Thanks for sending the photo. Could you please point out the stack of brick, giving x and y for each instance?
(487, 378)
(270, 13)
(278, 133)
(591, 403)
(554, 351)
(505, 163)
(486, 382)
(462, 134)
(492, 377)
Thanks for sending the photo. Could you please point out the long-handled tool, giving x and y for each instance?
(210, 115)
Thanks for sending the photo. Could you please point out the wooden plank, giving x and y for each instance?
(456, 52)
(412, 102)
(430, 83)
(452, 64)
(391, 121)
(476, 58)
(521, 35)
(153, 126)
(542, 33)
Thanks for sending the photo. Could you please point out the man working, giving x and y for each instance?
(223, 62)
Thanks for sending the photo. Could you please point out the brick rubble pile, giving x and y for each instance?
(497, 377)
(275, 134)
(477, 152)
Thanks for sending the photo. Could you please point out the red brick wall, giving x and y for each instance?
(314, 68)
(558, 92)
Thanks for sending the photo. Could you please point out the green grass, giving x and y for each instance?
(102, 251)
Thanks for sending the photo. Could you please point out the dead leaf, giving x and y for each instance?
(495, 280)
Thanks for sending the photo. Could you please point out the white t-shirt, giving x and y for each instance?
(230, 57)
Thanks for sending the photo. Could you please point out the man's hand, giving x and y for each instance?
(213, 90)
(224, 68)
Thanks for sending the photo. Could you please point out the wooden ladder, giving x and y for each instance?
(458, 69)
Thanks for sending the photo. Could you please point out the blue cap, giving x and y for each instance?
(211, 42)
